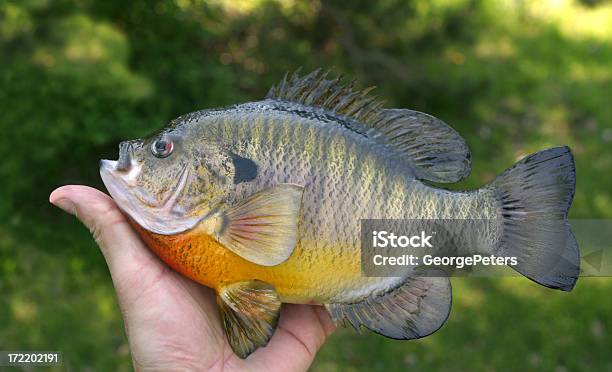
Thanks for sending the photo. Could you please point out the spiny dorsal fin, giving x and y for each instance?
(433, 149)
(316, 90)
(249, 312)
(415, 309)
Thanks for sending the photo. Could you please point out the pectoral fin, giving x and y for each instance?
(249, 312)
(263, 227)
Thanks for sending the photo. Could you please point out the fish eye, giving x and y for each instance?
(162, 147)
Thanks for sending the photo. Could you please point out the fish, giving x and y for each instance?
(262, 202)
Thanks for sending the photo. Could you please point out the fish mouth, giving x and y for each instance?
(166, 217)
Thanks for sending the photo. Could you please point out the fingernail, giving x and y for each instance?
(66, 205)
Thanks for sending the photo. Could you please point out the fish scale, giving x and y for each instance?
(334, 202)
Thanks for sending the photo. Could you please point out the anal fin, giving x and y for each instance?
(415, 309)
(249, 313)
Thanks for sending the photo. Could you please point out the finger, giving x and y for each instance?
(122, 248)
(302, 330)
(310, 323)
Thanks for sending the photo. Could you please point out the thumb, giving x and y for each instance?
(122, 248)
(97, 211)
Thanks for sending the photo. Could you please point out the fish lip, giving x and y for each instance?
(119, 180)
(114, 184)
(108, 164)
(155, 218)
(117, 183)
(125, 157)
(118, 188)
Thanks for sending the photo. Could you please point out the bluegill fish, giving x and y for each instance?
(262, 202)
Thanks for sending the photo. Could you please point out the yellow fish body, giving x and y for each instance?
(263, 202)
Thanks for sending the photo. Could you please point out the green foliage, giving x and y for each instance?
(77, 77)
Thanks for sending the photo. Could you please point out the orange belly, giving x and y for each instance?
(307, 276)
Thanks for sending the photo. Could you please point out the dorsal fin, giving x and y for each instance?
(433, 150)
(316, 90)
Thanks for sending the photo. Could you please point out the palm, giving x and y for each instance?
(172, 322)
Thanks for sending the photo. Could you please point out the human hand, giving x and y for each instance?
(172, 323)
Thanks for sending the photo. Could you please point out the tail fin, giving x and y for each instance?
(535, 196)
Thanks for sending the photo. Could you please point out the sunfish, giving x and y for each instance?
(262, 202)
